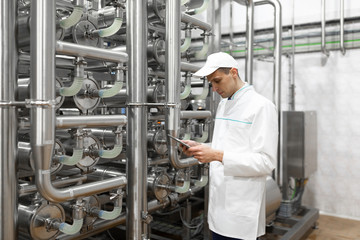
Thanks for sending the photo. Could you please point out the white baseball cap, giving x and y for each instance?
(214, 62)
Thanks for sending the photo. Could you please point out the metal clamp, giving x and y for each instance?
(29, 103)
(146, 217)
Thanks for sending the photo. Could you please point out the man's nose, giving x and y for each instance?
(214, 88)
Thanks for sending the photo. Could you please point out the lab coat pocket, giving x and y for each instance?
(238, 135)
(242, 196)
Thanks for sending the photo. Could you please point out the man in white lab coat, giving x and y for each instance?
(242, 153)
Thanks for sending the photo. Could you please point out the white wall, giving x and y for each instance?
(331, 87)
(305, 11)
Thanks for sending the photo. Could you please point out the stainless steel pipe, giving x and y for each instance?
(195, 114)
(42, 95)
(249, 42)
(186, 18)
(277, 49)
(277, 71)
(172, 85)
(90, 52)
(189, 67)
(323, 30)
(342, 47)
(90, 121)
(136, 154)
(63, 182)
(8, 123)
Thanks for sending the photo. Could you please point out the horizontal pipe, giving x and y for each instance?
(189, 67)
(90, 52)
(48, 191)
(90, 121)
(186, 115)
(153, 206)
(186, 18)
(29, 189)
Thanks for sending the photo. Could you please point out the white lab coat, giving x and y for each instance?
(246, 129)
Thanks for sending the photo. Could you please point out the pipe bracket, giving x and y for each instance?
(168, 105)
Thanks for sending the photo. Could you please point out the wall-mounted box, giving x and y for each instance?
(299, 143)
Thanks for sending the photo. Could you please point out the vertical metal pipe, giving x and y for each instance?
(323, 32)
(136, 203)
(292, 61)
(172, 85)
(172, 70)
(215, 46)
(249, 42)
(342, 47)
(42, 91)
(231, 33)
(8, 126)
(277, 75)
(214, 18)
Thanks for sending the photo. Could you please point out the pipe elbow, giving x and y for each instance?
(71, 160)
(202, 182)
(115, 89)
(73, 89)
(111, 153)
(186, 92)
(185, 46)
(114, 28)
(71, 229)
(184, 188)
(73, 18)
(203, 138)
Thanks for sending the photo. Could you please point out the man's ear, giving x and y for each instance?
(234, 72)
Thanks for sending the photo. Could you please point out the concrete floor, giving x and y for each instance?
(334, 228)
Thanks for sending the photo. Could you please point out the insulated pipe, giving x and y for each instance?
(90, 52)
(323, 33)
(90, 121)
(186, 18)
(172, 85)
(8, 122)
(342, 47)
(136, 153)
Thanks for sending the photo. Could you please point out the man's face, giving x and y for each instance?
(224, 84)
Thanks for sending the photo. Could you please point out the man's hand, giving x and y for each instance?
(191, 144)
(202, 152)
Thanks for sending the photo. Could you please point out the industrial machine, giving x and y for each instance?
(90, 91)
